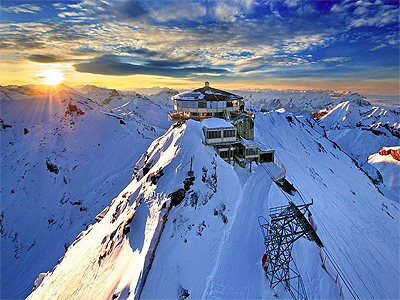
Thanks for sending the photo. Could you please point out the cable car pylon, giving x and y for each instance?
(287, 225)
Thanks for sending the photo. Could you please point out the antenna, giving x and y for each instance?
(207, 83)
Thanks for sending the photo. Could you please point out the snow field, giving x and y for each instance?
(347, 206)
(93, 154)
(211, 246)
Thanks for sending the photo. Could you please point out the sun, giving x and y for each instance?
(51, 76)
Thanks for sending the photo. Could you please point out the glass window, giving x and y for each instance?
(221, 104)
(224, 154)
(202, 104)
(211, 104)
(229, 133)
(192, 104)
(214, 134)
(184, 104)
(229, 104)
(251, 151)
(235, 103)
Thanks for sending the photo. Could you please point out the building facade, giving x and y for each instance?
(226, 125)
(206, 102)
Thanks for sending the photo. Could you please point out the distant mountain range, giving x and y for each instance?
(71, 154)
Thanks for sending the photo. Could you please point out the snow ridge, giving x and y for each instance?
(214, 230)
(71, 183)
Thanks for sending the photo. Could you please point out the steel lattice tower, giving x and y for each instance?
(287, 225)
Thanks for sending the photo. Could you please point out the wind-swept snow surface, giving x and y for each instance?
(297, 100)
(357, 224)
(63, 158)
(362, 130)
(211, 245)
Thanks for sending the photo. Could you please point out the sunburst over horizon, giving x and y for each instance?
(291, 44)
(51, 77)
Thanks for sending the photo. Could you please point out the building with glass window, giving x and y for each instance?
(226, 125)
(222, 135)
(206, 102)
(219, 131)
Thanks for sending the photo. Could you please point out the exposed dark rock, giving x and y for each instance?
(177, 197)
(154, 177)
(182, 293)
(127, 229)
(178, 124)
(290, 119)
(73, 109)
(146, 169)
(394, 153)
(52, 167)
(188, 182)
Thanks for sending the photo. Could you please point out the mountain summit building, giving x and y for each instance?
(226, 125)
(206, 102)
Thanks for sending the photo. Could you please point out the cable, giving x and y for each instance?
(349, 287)
(367, 239)
(342, 276)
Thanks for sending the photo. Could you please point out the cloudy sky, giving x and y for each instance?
(234, 43)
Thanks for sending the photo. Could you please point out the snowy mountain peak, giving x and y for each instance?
(143, 247)
(298, 100)
(73, 191)
(19, 92)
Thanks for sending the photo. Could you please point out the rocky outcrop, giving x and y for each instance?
(393, 152)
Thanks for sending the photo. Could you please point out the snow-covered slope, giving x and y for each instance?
(164, 96)
(20, 92)
(296, 100)
(69, 152)
(350, 114)
(362, 130)
(63, 157)
(210, 245)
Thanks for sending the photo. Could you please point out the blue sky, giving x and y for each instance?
(286, 44)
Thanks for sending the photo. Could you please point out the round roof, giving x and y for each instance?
(207, 93)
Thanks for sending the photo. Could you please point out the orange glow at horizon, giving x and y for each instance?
(53, 74)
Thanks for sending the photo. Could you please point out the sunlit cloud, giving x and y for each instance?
(60, 6)
(176, 11)
(22, 8)
(225, 40)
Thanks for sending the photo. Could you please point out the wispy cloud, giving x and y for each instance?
(235, 38)
(46, 58)
(22, 8)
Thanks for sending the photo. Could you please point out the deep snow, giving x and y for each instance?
(211, 245)
(60, 174)
(361, 131)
